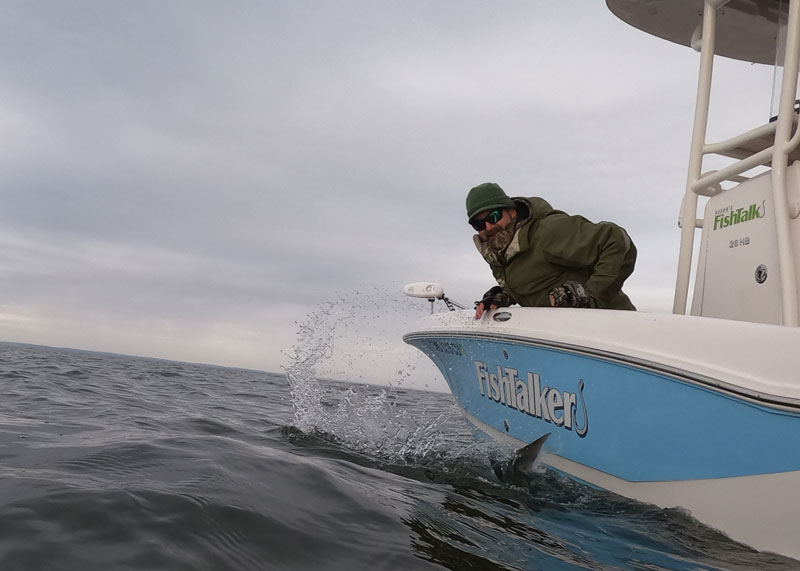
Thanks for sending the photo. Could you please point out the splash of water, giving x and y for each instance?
(314, 343)
(351, 338)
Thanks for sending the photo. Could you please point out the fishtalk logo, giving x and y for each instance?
(549, 404)
(733, 217)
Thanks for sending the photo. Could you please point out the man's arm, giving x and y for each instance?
(600, 247)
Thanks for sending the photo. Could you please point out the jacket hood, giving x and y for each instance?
(533, 208)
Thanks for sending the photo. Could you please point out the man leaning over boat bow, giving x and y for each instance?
(544, 257)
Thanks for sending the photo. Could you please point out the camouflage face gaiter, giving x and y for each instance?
(501, 236)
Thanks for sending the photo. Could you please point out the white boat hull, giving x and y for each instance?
(697, 413)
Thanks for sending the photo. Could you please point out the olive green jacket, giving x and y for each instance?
(551, 247)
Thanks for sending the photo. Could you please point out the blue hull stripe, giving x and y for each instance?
(634, 421)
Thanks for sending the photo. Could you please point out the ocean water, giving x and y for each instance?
(116, 462)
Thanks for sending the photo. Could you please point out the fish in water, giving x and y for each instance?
(520, 467)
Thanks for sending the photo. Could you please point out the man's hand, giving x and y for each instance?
(572, 294)
(492, 299)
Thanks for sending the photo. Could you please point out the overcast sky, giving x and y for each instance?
(192, 180)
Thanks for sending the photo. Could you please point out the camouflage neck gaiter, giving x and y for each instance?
(501, 238)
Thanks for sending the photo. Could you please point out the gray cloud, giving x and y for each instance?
(189, 179)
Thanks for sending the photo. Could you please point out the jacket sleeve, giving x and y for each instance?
(598, 248)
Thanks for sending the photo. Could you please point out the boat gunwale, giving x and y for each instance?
(772, 401)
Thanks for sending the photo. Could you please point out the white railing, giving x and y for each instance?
(776, 156)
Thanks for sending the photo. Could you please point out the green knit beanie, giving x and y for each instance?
(485, 196)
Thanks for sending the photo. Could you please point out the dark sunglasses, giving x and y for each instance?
(492, 218)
